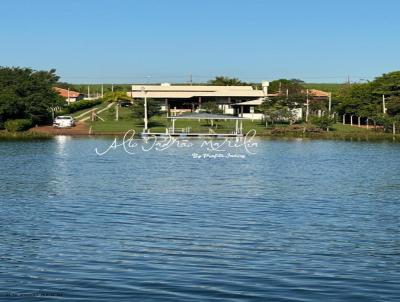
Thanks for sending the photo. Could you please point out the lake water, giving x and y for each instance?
(297, 221)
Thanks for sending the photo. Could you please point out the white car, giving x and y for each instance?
(64, 121)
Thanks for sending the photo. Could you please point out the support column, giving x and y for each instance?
(330, 104)
(359, 121)
(307, 107)
(167, 107)
(199, 102)
(383, 104)
(173, 125)
(241, 111)
(237, 127)
(344, 119)
(351, 120)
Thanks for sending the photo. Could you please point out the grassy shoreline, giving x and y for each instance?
(5, 135)
(331, 135)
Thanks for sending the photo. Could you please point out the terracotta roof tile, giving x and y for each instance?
(64, 92)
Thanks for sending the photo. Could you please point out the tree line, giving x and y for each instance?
(377, 101)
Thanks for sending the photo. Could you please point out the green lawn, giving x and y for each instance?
(160, 123)
(339, 127)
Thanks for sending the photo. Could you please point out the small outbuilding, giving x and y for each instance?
(69, 95)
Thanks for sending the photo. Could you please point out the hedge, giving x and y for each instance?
(79, 105)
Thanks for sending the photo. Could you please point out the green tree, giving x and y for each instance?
(387, 84)
(355, 97)
(384, 120)
(28, 94)
(283, 85)
(153, 108)
(211, 107)
(226, 81)
(116, 96)
(365, 100)
(276, 110)
(323, 122)
(393, 105)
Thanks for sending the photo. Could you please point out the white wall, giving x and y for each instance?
(253, 116)
(226, 109)
(70, 100)
(298, 113)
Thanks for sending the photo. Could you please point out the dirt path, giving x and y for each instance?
(88, 117)
(80, 129)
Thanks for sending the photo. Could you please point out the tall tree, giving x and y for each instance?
(387, 84)
(26, 93)
(393, 106)
(355, 97)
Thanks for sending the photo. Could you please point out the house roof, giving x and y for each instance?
(188, 91)
(167, 91)
(256, 102)
(64, 92)
(318, 93)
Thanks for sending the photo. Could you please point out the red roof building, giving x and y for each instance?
(69, 95)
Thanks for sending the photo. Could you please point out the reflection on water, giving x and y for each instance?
(300, 220)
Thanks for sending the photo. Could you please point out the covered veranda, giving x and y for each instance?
(186, 131)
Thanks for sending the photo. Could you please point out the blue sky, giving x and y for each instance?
(121, 41)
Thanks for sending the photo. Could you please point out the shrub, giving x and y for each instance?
(323, 122)
(18, 125)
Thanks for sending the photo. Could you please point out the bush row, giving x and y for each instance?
(79, 105)
(18, 125)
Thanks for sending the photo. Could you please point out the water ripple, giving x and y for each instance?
(299, 221)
